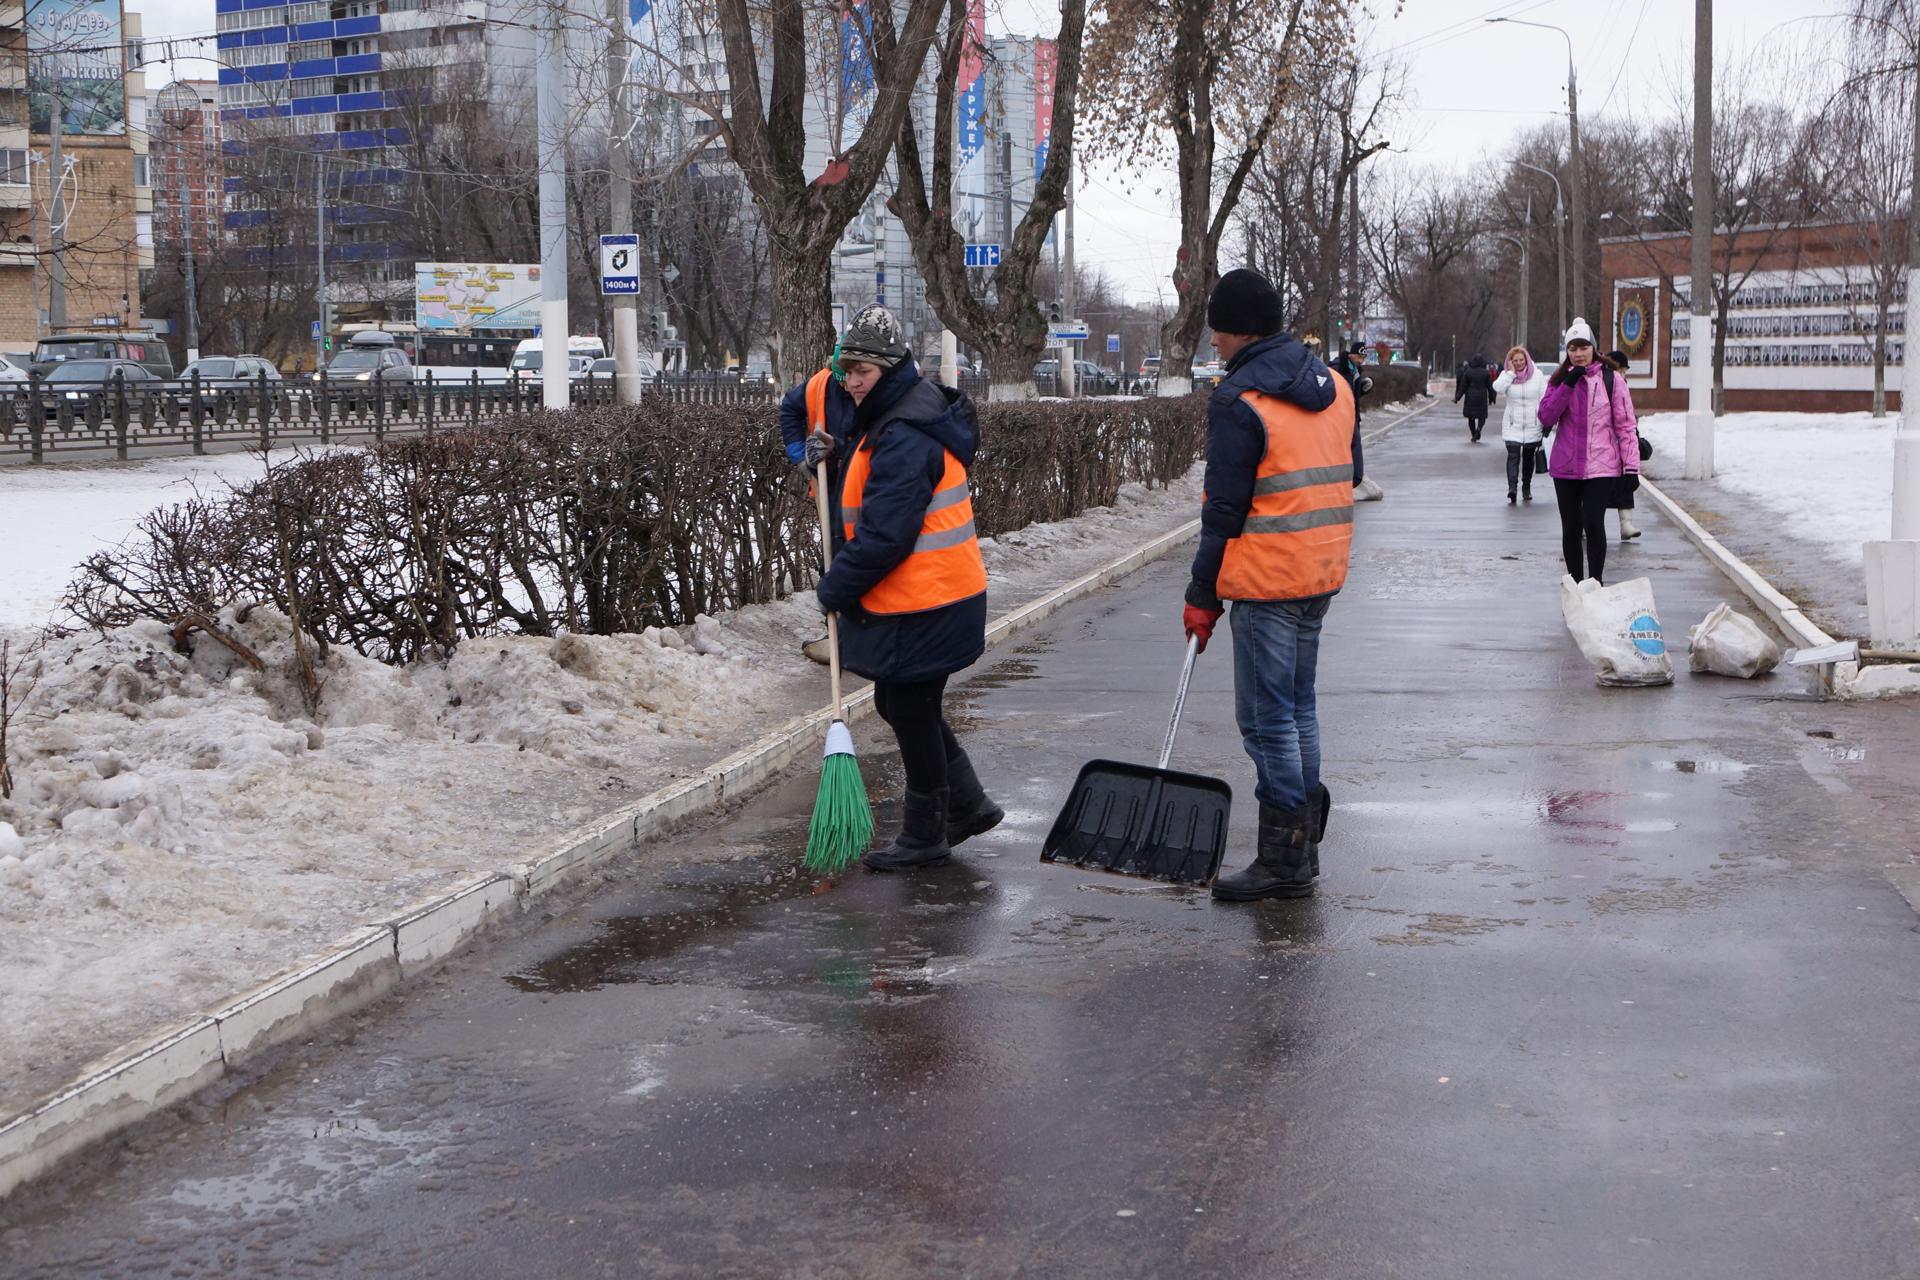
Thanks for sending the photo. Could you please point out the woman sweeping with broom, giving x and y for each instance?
(906, 580)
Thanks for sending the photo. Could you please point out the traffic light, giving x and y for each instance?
(1053, 313)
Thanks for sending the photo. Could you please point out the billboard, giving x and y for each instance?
(468, 296)
(79, 44)
(1046, 72)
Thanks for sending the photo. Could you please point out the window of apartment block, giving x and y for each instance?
(142, 170)
(307, 50)
(143, 230)
(311, 11)
(13, 166)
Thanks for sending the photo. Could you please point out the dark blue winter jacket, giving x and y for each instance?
(793, 417)
(910, 423)
(1237, 440)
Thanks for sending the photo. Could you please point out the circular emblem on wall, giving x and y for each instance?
(1633, 327)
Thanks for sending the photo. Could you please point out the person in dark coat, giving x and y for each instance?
(1475, 387)
(837, 409)
(1348, 365)
(1629, 484)
(908, 584)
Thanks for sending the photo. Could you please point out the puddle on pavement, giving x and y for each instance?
(1436, 929)
(1010, 671)
(796, 913)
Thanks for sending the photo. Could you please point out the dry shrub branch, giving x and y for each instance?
(595, 520)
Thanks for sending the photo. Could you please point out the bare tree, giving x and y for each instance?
(1204, 73)
(1009, 329)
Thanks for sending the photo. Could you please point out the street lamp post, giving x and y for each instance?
(1574, 177)
(1560, 222)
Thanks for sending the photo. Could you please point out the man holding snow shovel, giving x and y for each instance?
(1275, 531)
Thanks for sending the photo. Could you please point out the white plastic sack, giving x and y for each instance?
(1618, 630)
(1732, 644)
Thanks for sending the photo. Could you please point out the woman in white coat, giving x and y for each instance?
(1519, 387)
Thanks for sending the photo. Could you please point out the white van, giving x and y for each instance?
(528, 357)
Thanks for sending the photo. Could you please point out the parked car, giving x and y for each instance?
(77, 383)
(141, 348)
(1208, 374)
(368, 362)
(226, 381)
(759, 373)
(1089, 378)
(12, 369)
(607, 367)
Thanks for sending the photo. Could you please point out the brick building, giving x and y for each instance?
(186, 160)
(108, 237)
(1800, 327)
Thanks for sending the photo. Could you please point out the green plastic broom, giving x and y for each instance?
(842, 827)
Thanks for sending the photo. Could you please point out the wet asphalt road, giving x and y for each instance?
(1599, 983)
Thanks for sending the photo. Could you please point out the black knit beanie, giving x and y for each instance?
(1244, 302)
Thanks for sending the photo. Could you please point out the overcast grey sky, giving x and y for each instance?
(1472, 86)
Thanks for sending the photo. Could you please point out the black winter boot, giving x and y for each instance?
(1321, 804)
(922, 841)
(1283, 867)
(969, 811)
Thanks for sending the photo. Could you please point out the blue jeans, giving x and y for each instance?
(1276, 656)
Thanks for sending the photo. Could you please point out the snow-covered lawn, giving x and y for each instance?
(184, 827)
(52, 517)
(1828, 476)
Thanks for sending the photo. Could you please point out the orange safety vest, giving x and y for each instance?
(817, 409)
(1300, 528)
(944, 566)
(817, 400)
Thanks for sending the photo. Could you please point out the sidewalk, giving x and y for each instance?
(1599, 983)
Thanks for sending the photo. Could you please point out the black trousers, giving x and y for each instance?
(1583, 524)
(1475, 425)
(912, 711)
(1522, 460)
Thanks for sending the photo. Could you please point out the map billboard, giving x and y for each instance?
(449, 296)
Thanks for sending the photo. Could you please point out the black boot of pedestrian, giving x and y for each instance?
(1283, 867)
(922, 841)
(969, 811)
(1321, 804)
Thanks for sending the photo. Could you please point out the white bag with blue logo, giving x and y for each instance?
(1618, 630)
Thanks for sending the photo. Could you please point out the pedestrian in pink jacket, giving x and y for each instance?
(1595, 441)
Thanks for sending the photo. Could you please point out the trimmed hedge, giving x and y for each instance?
(593, 520)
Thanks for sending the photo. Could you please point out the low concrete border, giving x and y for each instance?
(1845, 680)
(141, 1078)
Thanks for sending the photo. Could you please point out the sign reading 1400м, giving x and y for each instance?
(476, 295)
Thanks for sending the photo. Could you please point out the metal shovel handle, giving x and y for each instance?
(1180, 699)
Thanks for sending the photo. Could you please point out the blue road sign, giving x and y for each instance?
(619, 265)
(1113, 344)
(983, 255)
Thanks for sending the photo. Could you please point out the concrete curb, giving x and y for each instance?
(146, 1076)
(1843, 680)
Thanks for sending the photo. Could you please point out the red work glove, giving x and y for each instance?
(1200, 622)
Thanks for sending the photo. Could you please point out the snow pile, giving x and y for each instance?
(184, 825)
(1828, 476)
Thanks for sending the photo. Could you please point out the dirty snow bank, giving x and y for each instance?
(184, 827)
(1828, 476)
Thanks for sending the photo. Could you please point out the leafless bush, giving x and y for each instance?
(595, 520)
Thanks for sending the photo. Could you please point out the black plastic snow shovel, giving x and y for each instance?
(1158, 823)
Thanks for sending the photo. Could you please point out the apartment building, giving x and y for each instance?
(185, 148)
(74, 235)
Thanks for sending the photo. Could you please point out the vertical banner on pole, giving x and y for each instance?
(970, 144)
(1046, 72)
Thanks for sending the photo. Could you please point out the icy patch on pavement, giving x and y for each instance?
(1828, 476)
(184, 826)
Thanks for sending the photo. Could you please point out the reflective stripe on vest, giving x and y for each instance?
(944, 566)
(1299, 531)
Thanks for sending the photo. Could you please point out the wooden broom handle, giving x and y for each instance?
(826, 562)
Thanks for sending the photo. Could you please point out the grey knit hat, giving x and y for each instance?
(874, 336)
